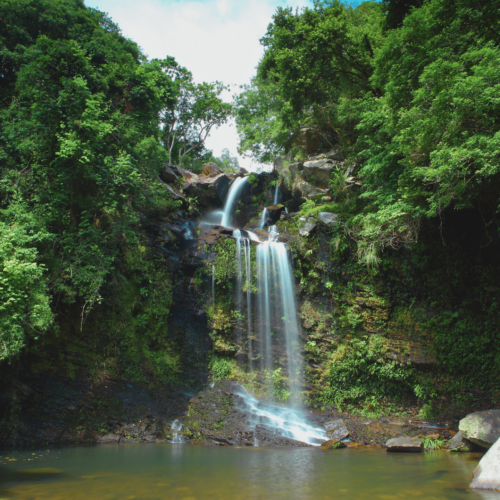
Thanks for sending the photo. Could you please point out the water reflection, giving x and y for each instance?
(182, 471)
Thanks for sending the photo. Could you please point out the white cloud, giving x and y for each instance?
(214, 39)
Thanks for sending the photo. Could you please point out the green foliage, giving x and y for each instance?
(431, 444)
(360, 369)
(221, 367)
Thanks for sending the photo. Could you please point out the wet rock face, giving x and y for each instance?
(481, 427)
(487, 474)
(215, 418)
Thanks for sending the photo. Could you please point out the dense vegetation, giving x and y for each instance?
(86, 124)
(407, 93)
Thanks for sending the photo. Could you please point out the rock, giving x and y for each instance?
(295, 168)
(481, 427)
(172, 191)
(241, 172)
(273, 214)
(408, 444)
(334, 155)
(209, 191)
(211, 168)
(168, 175)
(109, 438)
(328, 219)
(332, 444)
(302, 189)
(318, 172)
(459, 443)
(306, 225)
(336, 429)
(487, 473)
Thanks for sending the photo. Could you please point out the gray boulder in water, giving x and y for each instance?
(481, 427)
(408, 444)
(487, 473)
(336, 430)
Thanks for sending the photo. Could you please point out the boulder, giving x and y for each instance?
(209, 191)
(405, 444)
(302, 189)
(295, 168)
(336, 429)
(481, 427)
(168, 175)
(306, 225)
(211, 168)
(459, 443)
(332, 444)
(241, 172)
(487, 473)
(318, 172)
(334, 155)
(328, 219)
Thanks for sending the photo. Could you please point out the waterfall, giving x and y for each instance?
(263, 218)
(277, 310)
(276, 195)
(247, 268)
(176, 428)
(232, 197)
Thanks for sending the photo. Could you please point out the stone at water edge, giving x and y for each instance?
(487, 473)
(332, 444)
(481, 427)
(459, 443)
(336, 430)
(408, 444)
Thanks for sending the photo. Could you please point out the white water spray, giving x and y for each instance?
(263, 219)
(232, 197)
(280, 420)
(176, 428)
(276, 195)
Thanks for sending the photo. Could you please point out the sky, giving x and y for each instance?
(214, 39)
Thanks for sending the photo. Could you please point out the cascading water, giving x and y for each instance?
(263, 219)
(176, 428)
(277, 309)
(276, 195)
(232, 197)
(281, 420)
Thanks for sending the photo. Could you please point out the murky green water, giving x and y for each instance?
(147, 472)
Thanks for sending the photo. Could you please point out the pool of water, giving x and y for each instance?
(177, 471)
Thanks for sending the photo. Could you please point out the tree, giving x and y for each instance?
(198, 108)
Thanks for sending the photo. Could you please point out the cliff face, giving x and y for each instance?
(415, 336)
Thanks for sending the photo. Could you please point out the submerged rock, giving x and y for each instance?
(336, 430)
(407, 444)
(481, 427)
(332, 444)
(487, 473)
